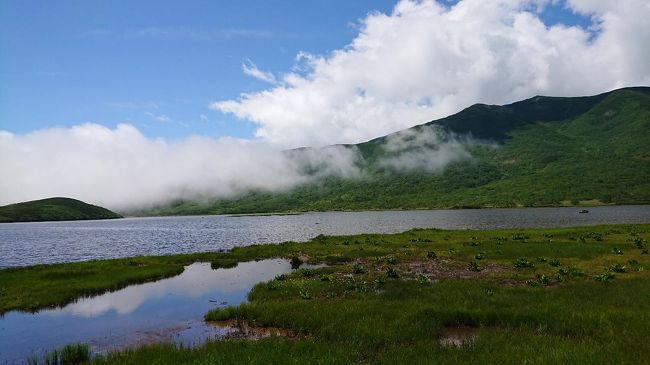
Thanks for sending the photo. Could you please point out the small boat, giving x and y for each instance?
(583, 211)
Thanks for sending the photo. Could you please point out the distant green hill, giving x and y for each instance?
(543, 151)
(53, 209)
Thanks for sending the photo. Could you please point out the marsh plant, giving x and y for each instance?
(307, 272)
(305, 294)
(618, 268)
(473, 267)
(520, 237)
(73, 354)
(295, 262)
(640, 243)
(391, 272)
(543, 279)
(281, 277)
(327, 277)
(423, 279)
(605, 276)
(522, 263)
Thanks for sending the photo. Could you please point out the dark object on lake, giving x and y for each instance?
(583, 211)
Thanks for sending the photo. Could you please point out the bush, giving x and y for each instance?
(295, 262)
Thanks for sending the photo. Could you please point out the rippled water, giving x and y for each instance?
(165, 310)
(49, 242)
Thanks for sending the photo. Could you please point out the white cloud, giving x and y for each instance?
(426, 148)
(195, 34)
(122, 169)
(158, 117)
(250, 69)
(426, 60)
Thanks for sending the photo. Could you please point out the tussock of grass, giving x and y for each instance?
(72, 354)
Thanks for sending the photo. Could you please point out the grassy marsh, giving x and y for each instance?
(570, 295)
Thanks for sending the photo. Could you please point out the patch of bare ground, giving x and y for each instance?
(443, 269)
(458, 336)
(245, 330)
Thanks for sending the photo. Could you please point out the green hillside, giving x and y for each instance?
(53, 209)
(543, 151)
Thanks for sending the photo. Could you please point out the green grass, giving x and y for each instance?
(545, 152)
(560, 310)
(53, 209)
(73, 354)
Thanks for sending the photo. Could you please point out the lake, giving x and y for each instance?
(24, 244)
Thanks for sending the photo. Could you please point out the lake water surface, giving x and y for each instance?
(50, 242)
(169, 310)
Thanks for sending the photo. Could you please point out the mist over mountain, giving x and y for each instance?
(542, 151)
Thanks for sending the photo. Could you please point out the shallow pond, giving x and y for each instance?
(49, 242)
(166, 310)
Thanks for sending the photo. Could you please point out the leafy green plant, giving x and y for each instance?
(305, 294)
(605, 276)
(432, 255)
(392, 272)
(358, 269)
(423, 279)
(617, 251)
(478, 256)
(281, 277)
(618, 268)
(543, 279)
(522, 263)
(473, 266)
(640, 243)
(555, 263)
(307, 272)
(327, 277)
(520, 237)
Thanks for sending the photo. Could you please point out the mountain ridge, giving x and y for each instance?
(53, 209)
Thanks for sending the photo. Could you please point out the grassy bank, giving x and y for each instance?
(573, 295)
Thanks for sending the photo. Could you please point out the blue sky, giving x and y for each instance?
(159, 64)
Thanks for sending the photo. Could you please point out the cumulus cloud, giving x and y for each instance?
(427, 148)
(122, 169)
(427, 60)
